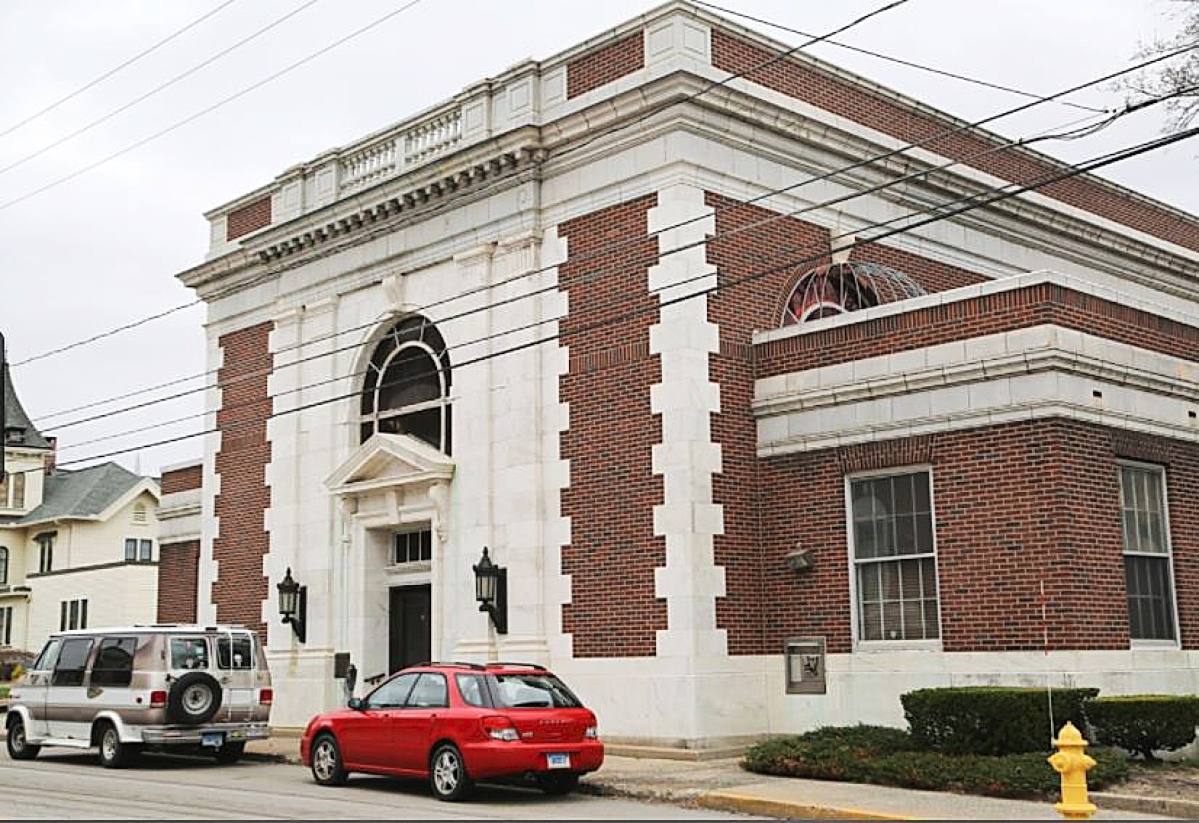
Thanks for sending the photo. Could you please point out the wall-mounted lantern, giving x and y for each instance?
(491, 590)
(293, 604)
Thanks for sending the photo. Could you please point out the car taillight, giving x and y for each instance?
(591, 733)
(158, 700)
(499, 728)
(266, 696)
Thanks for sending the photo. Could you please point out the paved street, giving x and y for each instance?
(64, 785)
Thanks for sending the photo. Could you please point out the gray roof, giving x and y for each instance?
(15, 418)
(83, 493)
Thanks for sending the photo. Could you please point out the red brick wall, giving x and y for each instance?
(600, 67)
(248, 218)
(242, 539)
(178, 581)
(989, 314)
(1015, 505)
(876, 111)
(182, 480)
(613, 550)
(751, 249)
(743, 248)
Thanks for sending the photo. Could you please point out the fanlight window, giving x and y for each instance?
(407, 385)
(837, 288)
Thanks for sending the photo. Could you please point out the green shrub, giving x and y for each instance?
(3, 692)
(1143, 723)
(885, 757)
(990, 720)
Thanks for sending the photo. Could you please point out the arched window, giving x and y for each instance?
(3, 565)
(407, 385)
(843, 287)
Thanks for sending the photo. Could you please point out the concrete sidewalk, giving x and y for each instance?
(723, 785)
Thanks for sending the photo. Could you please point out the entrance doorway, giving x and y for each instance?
(410, 638)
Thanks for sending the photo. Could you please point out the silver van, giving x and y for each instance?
(122, 690)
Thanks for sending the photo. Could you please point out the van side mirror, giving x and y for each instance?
(355, 704)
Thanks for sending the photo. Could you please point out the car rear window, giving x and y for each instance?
(532, 690)
(243, 651)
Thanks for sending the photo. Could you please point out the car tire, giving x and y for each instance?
(230, 753)
(19, 747)
(558, 783)
(113, 753)
(447, 774)
(327, 766)
(194, 698)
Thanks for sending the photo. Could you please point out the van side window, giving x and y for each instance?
(242, 648)
(72, 660)
(114, 662)
(189, 653)
(49, 656)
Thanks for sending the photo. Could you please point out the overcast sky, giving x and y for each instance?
(94, 228)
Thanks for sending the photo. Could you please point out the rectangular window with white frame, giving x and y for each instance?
(139, 550)
(72, 615)
(1148, 572)
(5, 625)
(894, 557)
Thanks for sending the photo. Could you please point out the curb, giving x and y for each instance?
(729, 801)
(1168, 807)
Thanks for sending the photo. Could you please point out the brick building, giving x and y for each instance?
(628, 318)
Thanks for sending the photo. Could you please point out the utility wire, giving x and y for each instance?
(270, 368)
(113, 71)
(608, 248)
(378, 21)
(896, 60)
(941, 212)
(811, 41)
(159, 88)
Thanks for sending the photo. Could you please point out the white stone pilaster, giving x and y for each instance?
(686, 458)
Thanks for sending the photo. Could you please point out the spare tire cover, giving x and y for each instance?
(194, 698)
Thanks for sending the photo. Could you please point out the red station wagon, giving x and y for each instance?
(456, 723)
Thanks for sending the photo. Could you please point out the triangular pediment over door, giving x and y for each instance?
(391, 477)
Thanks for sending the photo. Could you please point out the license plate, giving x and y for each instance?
(558, 760)
(212, 738)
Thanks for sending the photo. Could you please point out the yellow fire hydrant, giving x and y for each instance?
(1072, 763)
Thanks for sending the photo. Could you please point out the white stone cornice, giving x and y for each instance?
(1031, 373)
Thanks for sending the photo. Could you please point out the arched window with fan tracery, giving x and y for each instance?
(406, 389)
(837, 288)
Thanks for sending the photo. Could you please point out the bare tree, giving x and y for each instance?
(1176, 78)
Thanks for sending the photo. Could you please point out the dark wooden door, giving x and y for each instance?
(411, 639)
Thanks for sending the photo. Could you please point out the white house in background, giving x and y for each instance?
(77, 548)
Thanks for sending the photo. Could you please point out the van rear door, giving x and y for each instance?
(237, 666)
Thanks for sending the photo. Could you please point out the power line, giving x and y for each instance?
(896, 60)
(113, 71)
(812, 40)
(934, 214)
(869, 161)
(161, 87)
(609, 247)
(213, 107)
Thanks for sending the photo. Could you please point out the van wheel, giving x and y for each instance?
(327, 768)
(194, 699)
(19, 747)
(447, 774)
(230, 753)
(113, 753)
